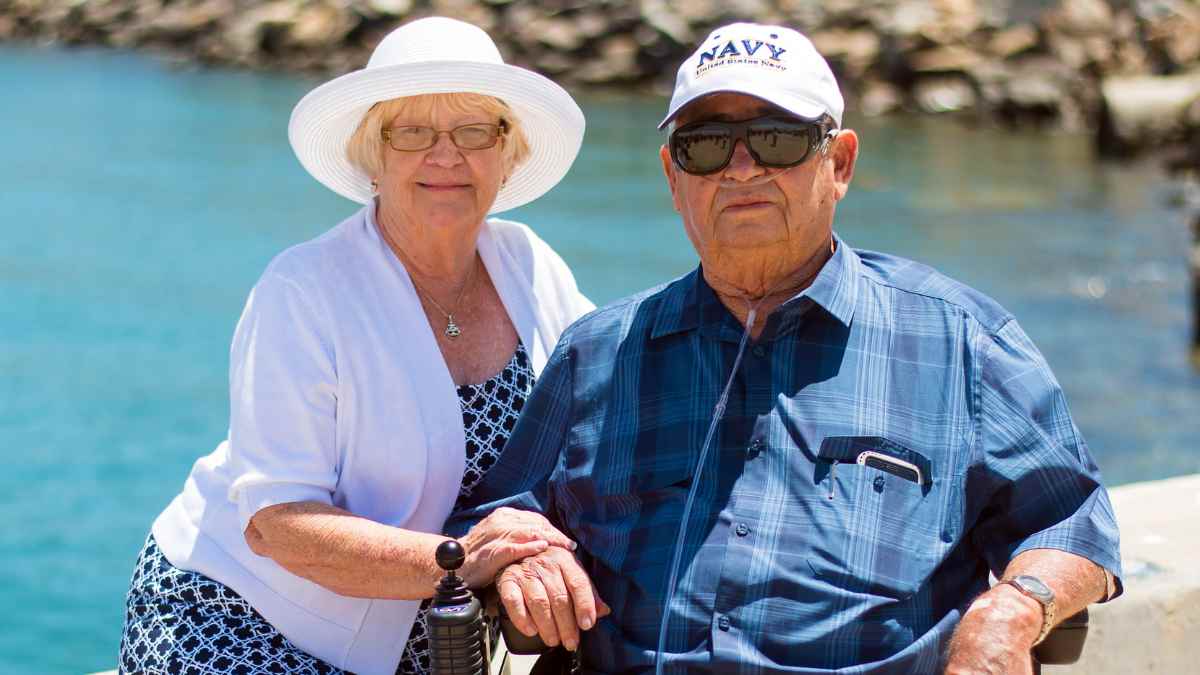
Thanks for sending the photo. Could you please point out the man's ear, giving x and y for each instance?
(843, 153)
(669, 170)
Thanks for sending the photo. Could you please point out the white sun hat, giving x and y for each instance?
(432, 56)
(773, 63)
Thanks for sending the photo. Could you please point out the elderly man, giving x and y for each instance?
(885, 436)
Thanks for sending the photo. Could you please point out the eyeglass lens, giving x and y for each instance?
(466, 137)
(707, 147)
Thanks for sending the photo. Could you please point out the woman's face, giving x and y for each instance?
(443, 186)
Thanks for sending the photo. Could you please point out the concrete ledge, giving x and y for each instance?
(1155, 626)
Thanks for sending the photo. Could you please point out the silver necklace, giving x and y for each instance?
(452, 330)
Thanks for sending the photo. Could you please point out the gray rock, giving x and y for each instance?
(662, 17)
(179, 22)
(1079, 17)
(615, 62)
(854, 50)
(948, 59)
(390, 7)
(320, 26)
(559, 34)
(1142, 111)
(944, 93)
(591, 23)
(1174, 32)
(243, 36)
(466, 10)
(1012, 41)
(880, 98)
(1037, 84)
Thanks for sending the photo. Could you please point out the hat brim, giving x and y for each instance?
(325, 119)
(798, 106)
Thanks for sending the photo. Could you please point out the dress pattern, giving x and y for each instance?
(490, 412)
(184, 623)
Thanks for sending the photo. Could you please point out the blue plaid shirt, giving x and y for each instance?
(797, 558)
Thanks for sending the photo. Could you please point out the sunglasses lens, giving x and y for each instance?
(702, 149)
(780, 142)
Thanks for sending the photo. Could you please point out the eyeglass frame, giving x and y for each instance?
(500, 130)
(821, 135)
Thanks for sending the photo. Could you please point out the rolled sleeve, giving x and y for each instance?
(1034, 483)
(523, 477)
(283, 401)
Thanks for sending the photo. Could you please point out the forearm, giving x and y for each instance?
(347, 554)
(1076, 581)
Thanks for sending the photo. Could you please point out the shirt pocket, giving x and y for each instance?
(878, 530)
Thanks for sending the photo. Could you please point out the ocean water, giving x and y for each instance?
(139, 203)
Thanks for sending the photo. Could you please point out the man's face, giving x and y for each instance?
(747, 211)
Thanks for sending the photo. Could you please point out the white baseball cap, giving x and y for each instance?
(432, 56)
(773, 63)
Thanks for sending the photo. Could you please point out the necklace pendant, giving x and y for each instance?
(452, 330)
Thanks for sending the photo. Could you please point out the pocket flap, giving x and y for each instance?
(848, 448)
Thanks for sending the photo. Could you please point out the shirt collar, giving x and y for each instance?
(689, 302)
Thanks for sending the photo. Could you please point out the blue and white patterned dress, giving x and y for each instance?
(184, 623)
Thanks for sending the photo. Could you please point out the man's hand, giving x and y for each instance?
(996, 635)
(550, 595)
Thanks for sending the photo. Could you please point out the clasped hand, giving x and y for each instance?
(550, 595)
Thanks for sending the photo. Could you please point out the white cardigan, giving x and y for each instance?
(339, 394)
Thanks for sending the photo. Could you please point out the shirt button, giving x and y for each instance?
(755, 447)
(759, 351)
(741, 530)
(723, 623)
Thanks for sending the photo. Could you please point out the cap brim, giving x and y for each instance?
(325, 119)
(800, 107)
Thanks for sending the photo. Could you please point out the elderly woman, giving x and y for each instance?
(375, 375)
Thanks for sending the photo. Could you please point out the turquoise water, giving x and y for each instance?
(140, 203)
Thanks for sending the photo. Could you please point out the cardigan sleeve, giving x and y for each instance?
(283, 401)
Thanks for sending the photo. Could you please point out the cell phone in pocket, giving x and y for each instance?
(893, 465)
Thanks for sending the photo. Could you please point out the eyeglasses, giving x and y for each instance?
(465, 137)
(705, 147)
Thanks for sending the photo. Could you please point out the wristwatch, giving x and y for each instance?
(1034, 588)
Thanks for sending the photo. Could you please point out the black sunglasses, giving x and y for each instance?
(706, 146)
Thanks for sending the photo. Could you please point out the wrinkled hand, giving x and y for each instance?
(996, 635)
(550, 595)
(506, 536)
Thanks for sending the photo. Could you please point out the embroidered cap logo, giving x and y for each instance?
(746, 51)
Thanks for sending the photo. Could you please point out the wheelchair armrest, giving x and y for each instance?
(1064, 644)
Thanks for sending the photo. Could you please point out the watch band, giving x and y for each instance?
(1034, 588)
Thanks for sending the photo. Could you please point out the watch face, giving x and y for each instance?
(1034, 586)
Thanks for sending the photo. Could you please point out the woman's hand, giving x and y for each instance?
(504, 537)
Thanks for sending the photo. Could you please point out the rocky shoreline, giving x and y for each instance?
(1127, 69)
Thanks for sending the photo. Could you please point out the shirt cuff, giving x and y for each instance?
(254, 498)
(1110, 586)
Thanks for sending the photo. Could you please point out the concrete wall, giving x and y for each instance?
(1155, 626)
